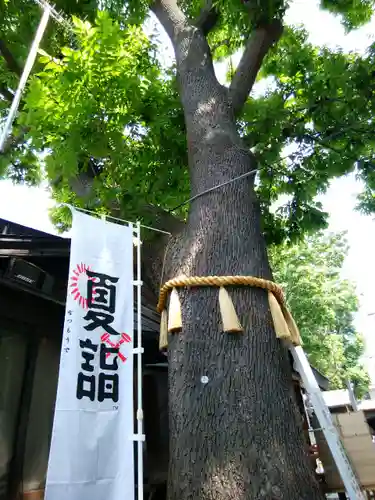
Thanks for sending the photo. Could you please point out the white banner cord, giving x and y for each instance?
(110, 217)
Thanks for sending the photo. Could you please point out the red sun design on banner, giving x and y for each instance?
(78, 284)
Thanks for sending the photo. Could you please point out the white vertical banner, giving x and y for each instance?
(91, 454)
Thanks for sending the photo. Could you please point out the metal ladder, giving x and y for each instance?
(348, 476)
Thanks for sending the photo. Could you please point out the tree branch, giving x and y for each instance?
(208, 17)
(14, 141)
(257, 47)
(162, 219)
(223, 43)
(10, 60)
(170, 16)
(82, 185)
(6, 93)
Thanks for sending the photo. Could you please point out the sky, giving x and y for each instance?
(29, 206)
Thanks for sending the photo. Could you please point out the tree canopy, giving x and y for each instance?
(323, 304)
(102, 111)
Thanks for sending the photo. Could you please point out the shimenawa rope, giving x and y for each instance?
(284, 324)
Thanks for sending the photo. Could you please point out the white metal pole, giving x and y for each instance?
(353, 399)
(139, 366)
(310, 429)
(25, 75)
(330, 432)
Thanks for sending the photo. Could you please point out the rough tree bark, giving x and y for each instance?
(237, 436)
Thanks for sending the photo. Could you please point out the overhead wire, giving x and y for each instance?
(56, 15)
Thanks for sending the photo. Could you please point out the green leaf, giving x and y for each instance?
(323, 305)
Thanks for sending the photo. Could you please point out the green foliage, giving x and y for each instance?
(321, 107)
(108, 110)
(353, 13)
(323, 305)
(237, 18)
(101, 110)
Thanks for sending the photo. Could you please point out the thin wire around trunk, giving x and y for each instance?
(199, 195)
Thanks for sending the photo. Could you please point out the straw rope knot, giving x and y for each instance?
(283, 321)
(218, 281)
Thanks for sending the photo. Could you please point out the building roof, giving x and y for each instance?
(50, 254)
(336, 398)
(367, 405)
(21, 241)
(340, 397)
(323, 381)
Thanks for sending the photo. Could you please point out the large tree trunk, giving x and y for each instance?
(237, 436)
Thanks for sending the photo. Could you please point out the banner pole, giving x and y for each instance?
(139, 366)
(25, 75)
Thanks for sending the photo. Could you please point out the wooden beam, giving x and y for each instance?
(19, 446)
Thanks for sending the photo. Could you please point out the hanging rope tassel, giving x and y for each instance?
(229, 316)
(293, 328)
(174, 313)
(163, 337)
(279, 323)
